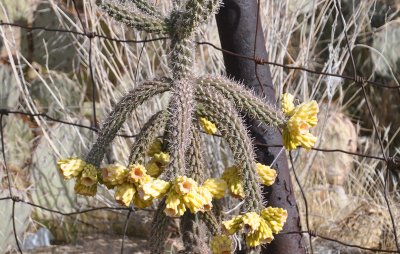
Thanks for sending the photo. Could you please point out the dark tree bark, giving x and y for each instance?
(237, 29)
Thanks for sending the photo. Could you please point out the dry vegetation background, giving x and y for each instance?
(48, 72)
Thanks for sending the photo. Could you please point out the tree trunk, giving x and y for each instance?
(237, 28)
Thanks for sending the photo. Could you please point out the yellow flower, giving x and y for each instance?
(71, 167)
(234, 182)
(89, 175)
(156, 188)
(221, 244)
(275, 218)
(124, 193)
(155, 147)
(266, 174)
(207, 197)
(287, 104)
(157, 164)
(137, 174)
(216, 186)
(161, 158)
(261, 235)
(184, 184)
(232, 226)
(208, 126)
(114, 174)
(140, 203)
(297, 130)
(85, 190)
(174, 206)
(153, 169)
(251, 222)
(194, 200)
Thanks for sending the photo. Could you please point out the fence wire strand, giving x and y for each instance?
(258, 61)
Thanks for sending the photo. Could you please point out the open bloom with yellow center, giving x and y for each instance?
(155, 188)
(155, 147)
(124, 193)
(114, 174)
(266, 174)
(185, 193)
(259, 228)
(208, 126)
(71, 167)
(234, 182)
(137, 174)
(85, 190)
(184, 185)
(89, 175)
(221, 244)
(302, 118)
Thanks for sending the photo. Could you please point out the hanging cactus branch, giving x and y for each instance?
(170, 171)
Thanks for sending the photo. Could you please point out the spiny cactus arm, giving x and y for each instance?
(146, 136)
(212, 8)
(146, 8)
(211, 222)
(220, 111)
(192, 237)
(195, 13)
(195, 157)
(139, 21)
(117, 117)
(179, 126)
(159, 230)
(245, 100)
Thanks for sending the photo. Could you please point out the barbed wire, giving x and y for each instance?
(258, 61)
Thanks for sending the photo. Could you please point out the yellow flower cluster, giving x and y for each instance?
(259, 228)
(209, 127)
(301, 119)
(231, 175)
(221, 244)
(85, 174)
(159, 159)
(133, 184)
(185, 193)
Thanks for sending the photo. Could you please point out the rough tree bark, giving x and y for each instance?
(237, 29)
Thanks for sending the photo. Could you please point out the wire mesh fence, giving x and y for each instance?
(389, 162)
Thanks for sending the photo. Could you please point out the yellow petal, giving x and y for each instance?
(124, 193)
(70, 167)
(232, 226)
(266, 174)
(216, 186)
(208, 126)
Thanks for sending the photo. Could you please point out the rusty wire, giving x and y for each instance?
(258, 61)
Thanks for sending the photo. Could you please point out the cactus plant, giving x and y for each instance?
(211, 102)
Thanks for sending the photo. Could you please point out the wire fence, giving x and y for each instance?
(391, 163)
